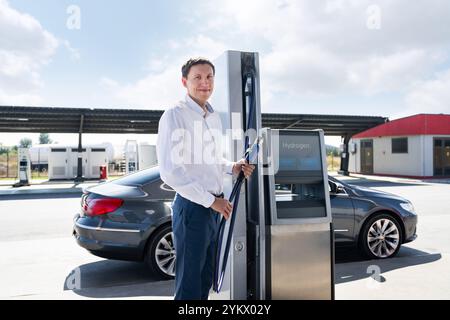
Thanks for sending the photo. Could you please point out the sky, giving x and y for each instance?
(381, 58)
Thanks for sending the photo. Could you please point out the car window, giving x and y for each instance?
(139, 178)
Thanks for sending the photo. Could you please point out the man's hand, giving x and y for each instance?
(223, 206)
(245, 167)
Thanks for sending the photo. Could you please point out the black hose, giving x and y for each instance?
(234, 196)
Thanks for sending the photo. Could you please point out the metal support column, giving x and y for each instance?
(345, 156)
(79, 176)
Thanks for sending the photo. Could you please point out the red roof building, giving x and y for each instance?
(417, 146)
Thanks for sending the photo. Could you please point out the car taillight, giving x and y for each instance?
(99, 206)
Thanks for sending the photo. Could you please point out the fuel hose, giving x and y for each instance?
(250, 155)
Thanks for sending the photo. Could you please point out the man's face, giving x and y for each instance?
(199, 82)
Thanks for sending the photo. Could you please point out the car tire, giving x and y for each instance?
(381, 237)
(160, 254)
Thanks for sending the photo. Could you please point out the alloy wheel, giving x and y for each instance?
(165, 255)
(383, 238)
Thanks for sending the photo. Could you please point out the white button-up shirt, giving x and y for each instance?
(189, 151)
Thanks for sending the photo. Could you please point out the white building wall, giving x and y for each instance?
(407, 164)
(428, 155)
(413, 163)
(417, 162)
(354, 162)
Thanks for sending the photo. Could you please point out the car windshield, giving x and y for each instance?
(139, 178)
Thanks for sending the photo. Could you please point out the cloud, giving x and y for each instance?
(73, 52)
(25, 47)
(162, 87)
(311, 49)
(430, 96)
(389, 72)
(155, 91)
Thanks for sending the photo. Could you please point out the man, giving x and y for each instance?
(185, 132)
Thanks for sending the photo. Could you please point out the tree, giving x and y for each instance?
(44, 138)
(25, 143)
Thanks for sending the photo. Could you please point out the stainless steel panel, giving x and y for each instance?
(228, 101)
(301, 262)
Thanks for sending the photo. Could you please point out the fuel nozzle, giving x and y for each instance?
(252, 152)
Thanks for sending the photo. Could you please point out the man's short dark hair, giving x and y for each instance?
(192, 62)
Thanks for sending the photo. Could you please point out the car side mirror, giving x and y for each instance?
(333, 187)
(340, 189)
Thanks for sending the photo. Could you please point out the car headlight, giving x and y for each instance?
(407, 206)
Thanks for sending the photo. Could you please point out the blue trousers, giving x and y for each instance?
(195, 231)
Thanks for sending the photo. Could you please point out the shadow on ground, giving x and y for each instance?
(350, 266)
(117, 279)
(121, 279)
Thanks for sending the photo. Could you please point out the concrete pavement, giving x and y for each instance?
(41, 260)
(45, 188)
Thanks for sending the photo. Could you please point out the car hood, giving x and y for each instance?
(372, 193)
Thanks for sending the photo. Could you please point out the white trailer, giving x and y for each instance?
(63, 162)
(39, 154)
(58, 164)
(97, 157)
(146, 155)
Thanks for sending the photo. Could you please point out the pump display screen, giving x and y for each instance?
(299, 153)
(299, 186)
(300, 200)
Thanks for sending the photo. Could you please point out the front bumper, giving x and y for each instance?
(410, 223)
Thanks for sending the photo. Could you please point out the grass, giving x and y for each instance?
(334, 163)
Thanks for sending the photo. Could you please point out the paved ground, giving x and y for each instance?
(420, 271)
(40, 260)
(44, 187)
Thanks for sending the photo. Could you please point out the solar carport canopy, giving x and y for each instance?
(85, 120)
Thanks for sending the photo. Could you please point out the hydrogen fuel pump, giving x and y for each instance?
(24, 167)
(237, 100)
(278, 242)
(299, 253)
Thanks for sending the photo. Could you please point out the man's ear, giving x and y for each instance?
(183, 81)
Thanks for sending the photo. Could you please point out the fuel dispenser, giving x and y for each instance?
(280, 243)
(299, 253)
(24, 167)
(131, 156)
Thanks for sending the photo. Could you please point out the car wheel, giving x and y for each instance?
(381, 237)
(160, 255)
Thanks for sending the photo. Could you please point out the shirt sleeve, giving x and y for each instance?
(174, 173)
(227, 166)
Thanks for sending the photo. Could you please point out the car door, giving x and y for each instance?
(343, 214)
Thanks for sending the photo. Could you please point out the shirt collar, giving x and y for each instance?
(196, 107)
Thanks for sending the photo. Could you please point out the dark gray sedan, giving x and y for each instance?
(130, 219)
